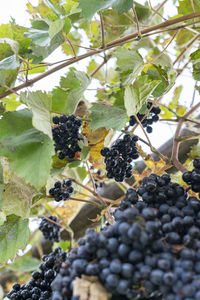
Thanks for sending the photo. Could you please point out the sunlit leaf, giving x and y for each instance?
(137, 94)
(95, 5)
(29, 151)
(40, 105)
(14, 234)
(106, 116)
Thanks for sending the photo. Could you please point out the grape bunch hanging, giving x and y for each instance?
(39, 286)
(61, 191)
(151, 118)
(119, 157)
(66, 135)
(193, 178)
(50, 230)
(151, 252)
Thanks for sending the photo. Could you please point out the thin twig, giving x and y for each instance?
(137, 22)
(186, 26)
(110, 45)
(186, 48)
(102, 31)
(68, 40)
(176, 142)
(159, 8)
(12, 90)
(157, 56)
(86, 201)
(83, 186)
(100, 66)
(52, 221)
(156, 12)
(193, 96)
(150, 145)
(91, 177)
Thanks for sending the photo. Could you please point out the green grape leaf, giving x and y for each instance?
(195, 151)
(29, 151)
(24, 264)
(95, 5)
(177, 92)
(2, 77)
(40, 53)
(129, 60)
(167, 80)
(75, 38)
(185, 7)
(9, 63)
(40, 104)
(67, 25)
(14, 234)
(39, 33)
(55, 27)
(14, 45)
(143, 12)
(57, 9)
(11, 102)
(67, 96)
(17, 197)
(138, 93)
(195, 56)
(15, 40)
(79, 173)
(106, 116)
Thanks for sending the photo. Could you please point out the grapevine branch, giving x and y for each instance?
(110, 45)
(176, 143)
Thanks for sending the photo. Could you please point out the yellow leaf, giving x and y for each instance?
(96, 136)
(95, 157)
(181, 110)
(69, 211)
(96, 142)
(167, 114)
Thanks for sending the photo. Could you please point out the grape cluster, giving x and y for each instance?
(50, 230)
(151, 252)
(149, 119)
(193, 178)
(61, 191)
(39, 286)
(119, 157)
(66, 135)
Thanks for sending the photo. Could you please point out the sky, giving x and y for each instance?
(17, 10)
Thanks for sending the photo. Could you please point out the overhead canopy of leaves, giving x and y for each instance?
(95, 5)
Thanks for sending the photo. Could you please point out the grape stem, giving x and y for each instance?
(58, 224)
(163, 157)
(102, 30)
(176, 142)
(86, 201)
(137, 23)
(68, 40)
